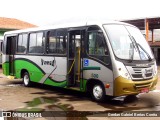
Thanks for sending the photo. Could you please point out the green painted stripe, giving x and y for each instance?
(5, 67)
(91, 68)
(54, 83)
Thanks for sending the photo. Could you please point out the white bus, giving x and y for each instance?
(109, 58)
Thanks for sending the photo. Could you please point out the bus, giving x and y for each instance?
(102, 58)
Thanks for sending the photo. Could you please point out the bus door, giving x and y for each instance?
(1, 47)
(75, 56)
(10, 50)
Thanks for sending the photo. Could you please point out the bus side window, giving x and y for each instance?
(96, 44)
(97, 47)
(22, 43)
(51, 43)
(57, 41)
(61, 41)
(36, 43)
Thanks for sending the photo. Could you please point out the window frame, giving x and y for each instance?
(43, 42)
(22, 42)
(97, 29)
(105, 45)
(58, 34)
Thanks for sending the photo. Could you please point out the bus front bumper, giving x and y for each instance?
(128, 87)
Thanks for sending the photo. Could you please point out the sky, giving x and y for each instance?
(47, 12)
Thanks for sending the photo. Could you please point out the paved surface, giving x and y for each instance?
(14, 96)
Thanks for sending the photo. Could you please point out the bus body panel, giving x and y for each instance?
(133, 85)
(123, 86)
(5, 64)
(94, 70)
(42, 67)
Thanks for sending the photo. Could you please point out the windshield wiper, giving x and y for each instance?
(149, 58)
(136, 46)
(131, 52)
(133, 46)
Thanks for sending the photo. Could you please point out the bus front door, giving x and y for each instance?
(11, 51)
(74, 57)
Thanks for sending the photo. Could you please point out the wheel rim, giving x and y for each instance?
(26, 79)
(97, 92)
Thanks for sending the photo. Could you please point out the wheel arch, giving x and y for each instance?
(23, 71)
(91, 82)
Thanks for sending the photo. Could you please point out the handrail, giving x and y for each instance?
(71, 66)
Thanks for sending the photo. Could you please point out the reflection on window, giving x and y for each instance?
(22, 43)
(97, 47)
(36, 43)
(123, 38)
(39, 39)
(57, 42)
(61, 44)
(52, 44)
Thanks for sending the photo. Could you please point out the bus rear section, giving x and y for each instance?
(8, 55)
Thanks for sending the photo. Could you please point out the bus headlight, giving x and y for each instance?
(124, 73)
(122, 70)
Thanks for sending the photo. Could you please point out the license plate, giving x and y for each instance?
(144, 90)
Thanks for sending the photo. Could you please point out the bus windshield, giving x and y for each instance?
(128, 43)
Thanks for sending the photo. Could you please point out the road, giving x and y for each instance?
(16, 97)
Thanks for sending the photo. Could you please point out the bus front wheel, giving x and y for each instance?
(98, 93)
(26, 79)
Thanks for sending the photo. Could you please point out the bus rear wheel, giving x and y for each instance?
(98, 93)
(26, 79)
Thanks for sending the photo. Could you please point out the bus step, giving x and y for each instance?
(75, 88)
(77, 83)
(11, 77)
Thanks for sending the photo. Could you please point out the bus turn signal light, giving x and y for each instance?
(107, 85)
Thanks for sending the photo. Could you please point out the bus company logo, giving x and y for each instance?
(142, 65)
(44, 62)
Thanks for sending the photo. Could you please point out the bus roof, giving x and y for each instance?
(79, 24)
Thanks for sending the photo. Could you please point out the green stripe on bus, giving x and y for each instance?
(54, 83)
(5, 67)
(36, 74)
(83, 85)
(91, 68)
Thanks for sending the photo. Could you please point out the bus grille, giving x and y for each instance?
(144, 85)
(140, 73)
(137, 75)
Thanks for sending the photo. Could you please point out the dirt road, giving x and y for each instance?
(16, 97)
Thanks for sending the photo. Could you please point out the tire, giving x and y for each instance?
(98, 93)
(26, 79)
